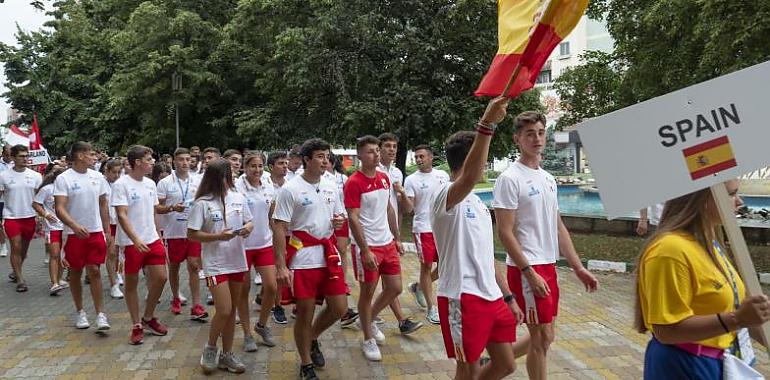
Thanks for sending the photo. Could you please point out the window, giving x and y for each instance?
(564, 48)
(544, 77)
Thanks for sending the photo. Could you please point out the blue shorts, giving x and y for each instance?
(662, 361)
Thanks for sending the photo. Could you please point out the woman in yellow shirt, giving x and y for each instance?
(689, 295)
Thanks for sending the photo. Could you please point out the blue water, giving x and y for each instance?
(575, 201)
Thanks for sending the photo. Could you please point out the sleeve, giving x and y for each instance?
(438, 203)
(197, 216)
(155, 201)
(352, 194)
(162, 189)
(505, 193)
(41, 195)
(671, 283)
(38, 180)
(409, 186)
(284, 206)
(104, 188)
(2, 181)
(119, 196)
(60, 186)
(339, 207)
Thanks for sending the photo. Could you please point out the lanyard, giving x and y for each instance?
(733, 283)
(186, 188)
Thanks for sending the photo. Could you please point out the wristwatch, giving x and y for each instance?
(509, 298)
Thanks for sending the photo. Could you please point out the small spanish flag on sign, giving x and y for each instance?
(709, 157)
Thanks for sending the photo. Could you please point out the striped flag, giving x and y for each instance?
(528, 31)
(709, 157)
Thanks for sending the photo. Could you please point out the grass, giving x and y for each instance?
(612, 247)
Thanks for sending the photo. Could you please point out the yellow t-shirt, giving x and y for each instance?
(678, 279)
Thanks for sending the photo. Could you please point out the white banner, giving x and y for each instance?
(680, 142)
(38, 157)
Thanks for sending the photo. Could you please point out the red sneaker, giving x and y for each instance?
(137, 335)
(176, 306)
(155, 327)
(198, 312)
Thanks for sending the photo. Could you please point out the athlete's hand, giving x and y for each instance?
(370, 262)
(227, 234)
(141, 247)
(337, 221)
(109, 240)
(641, 228)
(245, 231)
(398, 187)
(400, 248)
(64, 263)
(538, 285)
(179, 207)
(283, 276)
(754, 311)
(51, 218)
(80, 231)
(496, 110)
(588, 279)
(517, 313)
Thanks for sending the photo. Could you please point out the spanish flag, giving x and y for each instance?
(709, 157)
(528, 30)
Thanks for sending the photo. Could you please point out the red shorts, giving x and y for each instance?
(344, 231)
(470, 323)
(388, 262)
(24, 227)
(315, 283)
(89, 251)
(135, 260)
(426, 247)
(53, 237)
(260, 257)
(213, 281)
(113, 229)
(180, 249)
(537, 310)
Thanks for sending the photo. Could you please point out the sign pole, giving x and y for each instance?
(738, 246)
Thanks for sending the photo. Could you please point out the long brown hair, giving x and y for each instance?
(689, 213)
(217, 180)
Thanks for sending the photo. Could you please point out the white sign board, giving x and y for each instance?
(680, 142)
(38, 157)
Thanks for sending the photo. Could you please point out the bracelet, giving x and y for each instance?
(485, 131)
(721, 322)
(509, 298)
(526, 269)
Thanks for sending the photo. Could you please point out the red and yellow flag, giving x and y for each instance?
(709, 157)
(528, 31)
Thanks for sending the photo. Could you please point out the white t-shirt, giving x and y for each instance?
(654, 213)
(464, 241)
(82, 191)
(290, 174)
(421, 186)
(141, 198)
(18, 191)
(44, 197)
(395, 176)
(532, 192)
(371, 197)
(310, 208)
(258, 200)
(175, 191)
(221, 257)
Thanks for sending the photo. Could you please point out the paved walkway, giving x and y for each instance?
(37, 339)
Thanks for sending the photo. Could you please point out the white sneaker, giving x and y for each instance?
(81, 320)
(46, 260)
(432, 315)
(64, 284)
(377, 334)
(183, 299)
(3, 250)
(371, 351)
(119, 279)
(101, 322)
(115, 292)
(258, 279)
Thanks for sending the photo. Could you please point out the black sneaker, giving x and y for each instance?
(349, 317)
(279, 315)
(307, 372)
(407, 326)
(316, 355)
(258, 299)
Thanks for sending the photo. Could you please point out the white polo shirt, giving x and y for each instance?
(208, 215)
(421, 186)
(258, 201)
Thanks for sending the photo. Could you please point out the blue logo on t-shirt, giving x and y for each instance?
(75, 187)
(469, 214)
(306, 202)
(134, 196)
(533, 191)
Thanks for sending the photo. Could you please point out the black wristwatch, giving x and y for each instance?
(509, 298)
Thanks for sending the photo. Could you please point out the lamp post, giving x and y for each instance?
(176, 86)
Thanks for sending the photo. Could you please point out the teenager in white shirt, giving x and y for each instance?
(18, 186)
(476, 306)
(235, 158)
(530, 228)
(134, 198)
(278, 164)
(80, 198)
(44, 206)
(111, 171)
(6, 163)
(308, 207)
(219, 219)
(259, 249)
(294, 167)
(175, 195)
(419, 186)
